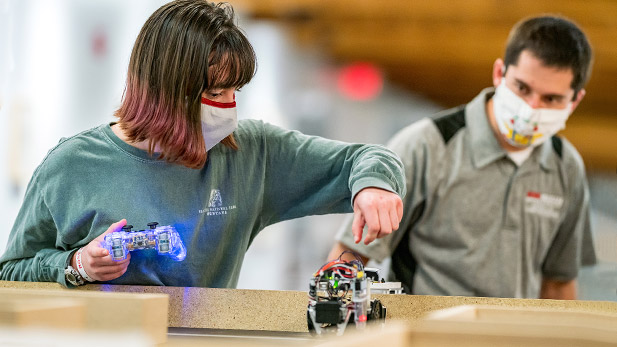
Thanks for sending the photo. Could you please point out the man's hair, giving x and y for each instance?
(185, 48)
(556, 41)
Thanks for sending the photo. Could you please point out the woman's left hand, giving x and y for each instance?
(380, 210)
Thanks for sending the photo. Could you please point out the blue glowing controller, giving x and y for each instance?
(164, 239)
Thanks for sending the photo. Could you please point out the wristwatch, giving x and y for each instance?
(73, 277)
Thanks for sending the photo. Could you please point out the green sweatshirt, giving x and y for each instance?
(93, 179)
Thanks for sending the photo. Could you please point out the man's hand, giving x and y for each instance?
(380, 210)
(558, 290)
(96, 260)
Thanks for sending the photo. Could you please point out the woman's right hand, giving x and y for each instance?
(96, 260)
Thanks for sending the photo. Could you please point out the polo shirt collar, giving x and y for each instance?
(484, 146)
(549, 160)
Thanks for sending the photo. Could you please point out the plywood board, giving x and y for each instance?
(50, 313)
(104, 311)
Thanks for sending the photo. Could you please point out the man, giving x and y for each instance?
(497, 204)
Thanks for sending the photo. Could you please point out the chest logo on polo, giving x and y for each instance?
(542, 204)
(215, 205)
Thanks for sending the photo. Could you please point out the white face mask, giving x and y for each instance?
(218, 120)
(520, 124)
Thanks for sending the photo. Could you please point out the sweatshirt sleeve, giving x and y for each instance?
(33, 251)
(415, 145)
(308, 175)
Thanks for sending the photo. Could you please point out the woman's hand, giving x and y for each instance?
(380, 210)
(96, 260)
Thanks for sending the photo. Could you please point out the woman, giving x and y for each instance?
(178, 156)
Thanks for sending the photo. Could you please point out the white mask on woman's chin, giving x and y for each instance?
(218, 120)
(524, 126)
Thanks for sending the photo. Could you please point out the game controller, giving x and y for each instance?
(165, 239)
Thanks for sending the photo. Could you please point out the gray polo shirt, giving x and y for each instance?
(476, 224)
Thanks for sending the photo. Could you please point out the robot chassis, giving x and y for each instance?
(340, 293)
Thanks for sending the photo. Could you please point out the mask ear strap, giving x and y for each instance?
(505, 68)
(503, 73)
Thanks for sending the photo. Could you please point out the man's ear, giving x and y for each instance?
(577, 100)
(498, 72)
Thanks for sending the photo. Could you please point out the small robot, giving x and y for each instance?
(165, 239)
(339, 293)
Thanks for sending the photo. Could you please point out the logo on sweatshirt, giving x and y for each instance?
(215, 198)
(215, 205)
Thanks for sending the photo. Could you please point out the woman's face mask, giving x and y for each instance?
(520, 124)
(218, 120)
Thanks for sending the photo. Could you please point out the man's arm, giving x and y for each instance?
(339, 248)
(573, 243)
(558, 290)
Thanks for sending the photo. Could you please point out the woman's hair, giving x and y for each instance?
(185, 48)
(556, 41)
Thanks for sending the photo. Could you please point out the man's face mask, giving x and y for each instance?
(522, 125)
(218, 120)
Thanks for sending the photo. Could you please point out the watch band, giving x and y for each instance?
(73, 277)
(80, 266)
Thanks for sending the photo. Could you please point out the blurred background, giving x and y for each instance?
(352, 70)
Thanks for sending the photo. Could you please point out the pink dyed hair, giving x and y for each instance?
(185, 48)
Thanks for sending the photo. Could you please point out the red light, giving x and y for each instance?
(360, 81)
(99, 42)
(362, 318)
